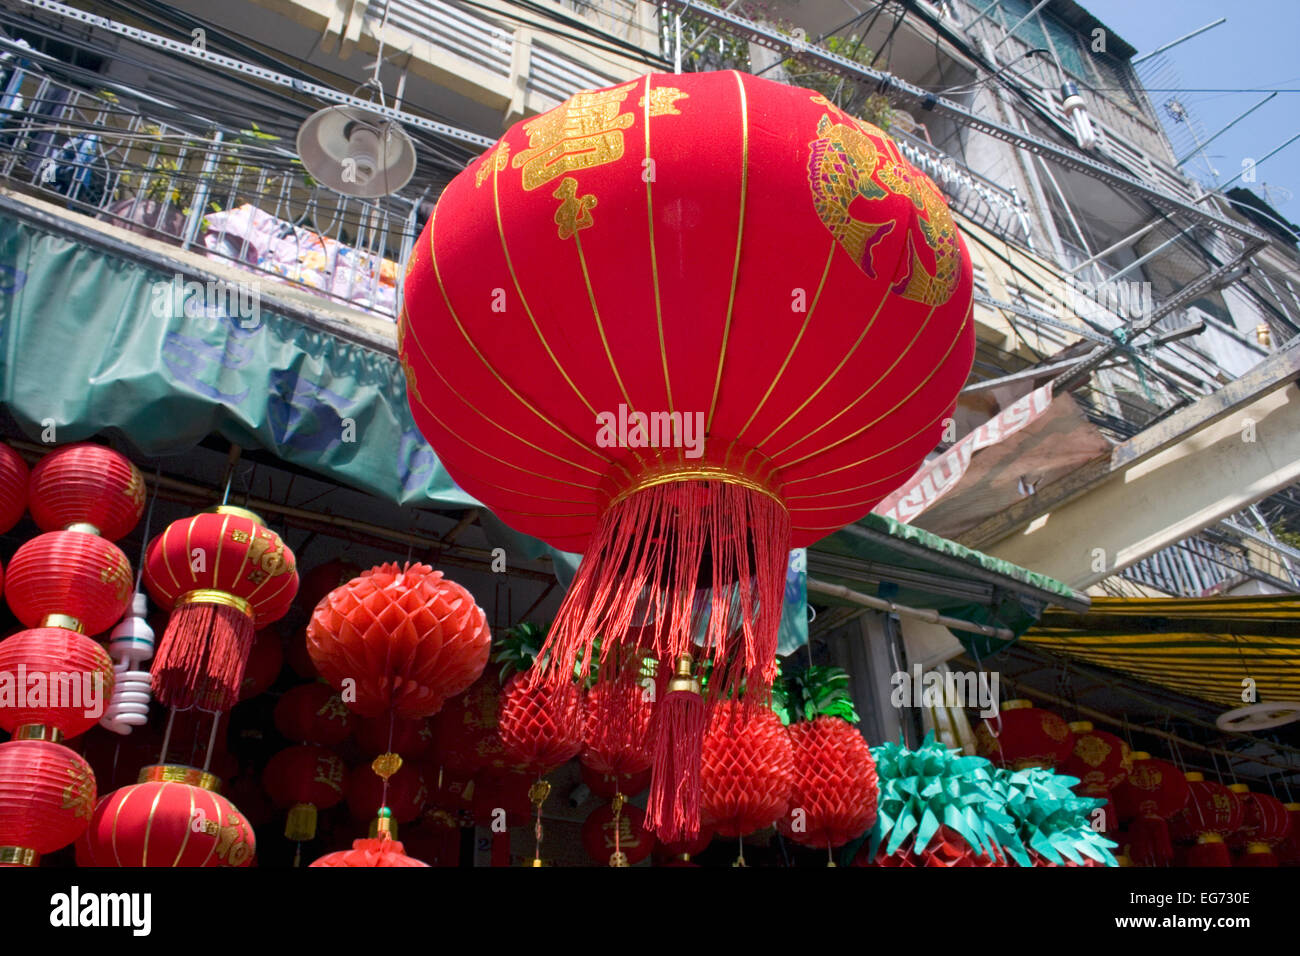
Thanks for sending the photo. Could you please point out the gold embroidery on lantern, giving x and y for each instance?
(586, 131)
(575, 211)
(135, 489)
(330, 772)
(497, 159)
(77, 794)
(841, 162)
(663, 100)
(118, 574)
(1092, 750)
(333, 707)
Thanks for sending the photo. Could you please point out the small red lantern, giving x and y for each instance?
(69, 579)
(1029, 737)
(407, 793)
(304, 780)
(465, 737)
(172, 818)
(1264, 826)
(313, 714)
(47, 793)
(86, 487)
(377, 735)
(1288, 852)
(1213, 813)
(607, 785)
(408, 637)
(833, 799)
(13, 488)
(1101, 761)
(1152, 793)
(501, 795)
(616, 727)
(540, 729)
(222, 574)
(680, 854)
(605, 834)
(379, 851)
(747, 768)
(52, 680)
(323, 579)
(265, 661)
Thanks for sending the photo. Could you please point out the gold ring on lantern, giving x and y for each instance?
(38, 732)
(671, 474)
(1254, 848)
(1209, 838)
(85, 527)
(683, 680)
(18, 856)
(213, 596)
(239, 513)
(179, 773)
(65, 621)
(1018, 704)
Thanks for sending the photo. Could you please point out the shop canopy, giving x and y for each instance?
(100, 333)
(1201, 647)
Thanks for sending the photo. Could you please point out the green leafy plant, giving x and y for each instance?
(812, 693)
(518, 649)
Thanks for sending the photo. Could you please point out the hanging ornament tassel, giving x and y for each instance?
(618, 858)
(200, 662)
(673, 809)
(1209, 850)
(1149, 837)
(537, 794)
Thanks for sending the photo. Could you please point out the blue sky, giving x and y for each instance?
(1256, 48)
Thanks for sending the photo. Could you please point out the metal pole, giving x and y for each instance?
(677, 43)
(1201, 146)
(1126, 241)
(1173, 43)
(924, 614)
(200, 202)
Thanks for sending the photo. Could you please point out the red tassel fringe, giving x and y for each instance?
(673, 807)
(678, 553)
(1150, 844)
(1208, 854)
(200, 660)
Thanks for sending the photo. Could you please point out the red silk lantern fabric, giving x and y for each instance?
(505, 790)
(1213, 812)
(616, 728)
(606, 785)
(834, 791)
(407, 793)
(796, 291)
(239, 555)
(634, 840)
(313, 714)
(465, 737)
(86, 484)
(13, 488)
(305, 774)
(410, 738)
(265, 661)
(1099, 759)
(1153, 793)
(74, 675)
(1030, 737)
(409, 637)
(221, 574)
(1288, 852)
(167, 823)
(747, 769)
(323, 579)
(47, 793)
(72, 573)
(383, 851)
(539, 729)
(1264, 818)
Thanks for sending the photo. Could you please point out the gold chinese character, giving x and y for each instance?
(586, 131)
(575, 211)
(663, 100)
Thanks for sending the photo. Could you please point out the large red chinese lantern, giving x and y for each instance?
(47, 793)
(1213, 813)
(407, 638)
(223, 574)
(1288, 852)
(748, 773)
(69, 579)
(804, 300)
(1101, 761)
(833, 799)
(1029, 737)
(13, 487)
(465, 737)
(86, 487)
(173, 817)
(1152, 793)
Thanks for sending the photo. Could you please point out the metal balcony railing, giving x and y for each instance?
(234, 195)
(1192, 568)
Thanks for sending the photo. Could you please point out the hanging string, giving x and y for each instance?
(212, 741)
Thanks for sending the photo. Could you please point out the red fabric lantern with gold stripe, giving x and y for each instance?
(173, 818)
(1101, 761)
(682, 325)
(304, 780)
(74, 677)
(47, 793)
(86, 487)
(1213, 813)
(13, 487)
(313, 714)
(1152, 793)
(69, 579)
(1264, 826)
(1288, 851)
(1029, 737)
(222, 574)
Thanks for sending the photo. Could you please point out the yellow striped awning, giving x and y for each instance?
(1202, 647)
